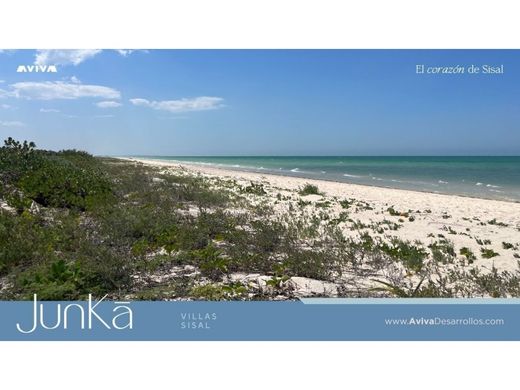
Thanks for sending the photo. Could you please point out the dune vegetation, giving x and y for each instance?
(73, 224)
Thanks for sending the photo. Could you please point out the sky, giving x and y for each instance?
(262, 102)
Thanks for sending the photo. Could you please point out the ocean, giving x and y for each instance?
(482, 177)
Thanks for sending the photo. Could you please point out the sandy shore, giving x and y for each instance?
(477, 224)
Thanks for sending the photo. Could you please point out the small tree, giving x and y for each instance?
(24, 148)
(16, 158)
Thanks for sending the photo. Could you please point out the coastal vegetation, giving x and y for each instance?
(309, 189)
(73, 224)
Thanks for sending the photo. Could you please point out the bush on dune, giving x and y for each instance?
(60, 183)
(67, 179)
(309, 189)
(16, 159)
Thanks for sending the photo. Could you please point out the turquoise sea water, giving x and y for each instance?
(483, 177)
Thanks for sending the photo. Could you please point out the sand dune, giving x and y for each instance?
(477, 224)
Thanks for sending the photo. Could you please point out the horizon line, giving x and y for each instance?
(312, 155)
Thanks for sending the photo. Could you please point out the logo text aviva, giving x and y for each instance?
(36, 69)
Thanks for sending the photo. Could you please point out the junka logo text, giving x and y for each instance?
(50, 315)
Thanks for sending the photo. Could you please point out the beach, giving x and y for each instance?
(159, 229)
(490, 229)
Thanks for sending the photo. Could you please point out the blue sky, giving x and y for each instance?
(262, 102)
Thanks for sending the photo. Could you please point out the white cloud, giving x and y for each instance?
(201, 103)
(48, 90)
(108, 104)
(63, 57)
(2, 81)
(70, 57)
(125, 52)
(6, 106)
(12, 124)
(49, 110)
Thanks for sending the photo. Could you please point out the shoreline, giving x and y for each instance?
(230, 169)
(480, 225)
(253, 170)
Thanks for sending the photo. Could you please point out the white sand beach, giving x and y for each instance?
(477, 224)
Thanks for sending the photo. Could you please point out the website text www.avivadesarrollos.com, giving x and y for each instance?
(443, 321)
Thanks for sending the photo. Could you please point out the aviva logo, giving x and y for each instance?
(36, 69)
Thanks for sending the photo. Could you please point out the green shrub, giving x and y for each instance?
(393, 212)
(56, 281)
(411, 256)
(16, 159)
(443, 251)
(313, 264)
(346, 203)
(468, 253)
(211, 261)
(488, 253)
(59, 182)
(495, 222)
(496, 284)
(309, 189)
(24, 241)
(255, 189)
(219, 292)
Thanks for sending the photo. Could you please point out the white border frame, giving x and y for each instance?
(259, 24)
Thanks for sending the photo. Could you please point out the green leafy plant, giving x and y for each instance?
(488, 253)
(219, 292)
(211, 261)
(309, 189)
(346, 203)
(395, 213)
(280, 276)
(60, 183)
(412, 256)
(254, 188)
(468, 253)
(495, 222)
